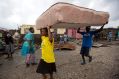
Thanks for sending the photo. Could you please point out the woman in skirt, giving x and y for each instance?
(28, 48)
(47, 61)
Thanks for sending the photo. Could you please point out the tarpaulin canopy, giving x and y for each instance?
(70, 16)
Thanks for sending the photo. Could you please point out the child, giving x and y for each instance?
(47, 62)
(87, 42)
(28, 48)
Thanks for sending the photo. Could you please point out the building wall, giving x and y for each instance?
(70, 32)
(25, 28)
(61, 30)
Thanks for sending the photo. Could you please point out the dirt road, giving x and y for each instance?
(105, 65)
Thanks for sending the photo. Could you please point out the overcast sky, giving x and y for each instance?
(16, 12)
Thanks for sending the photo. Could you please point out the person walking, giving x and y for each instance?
(87, 42)
(28, 48)
(47, 61)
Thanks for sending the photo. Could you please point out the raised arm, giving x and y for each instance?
(99, 30)
(78, 31)
(50, 35)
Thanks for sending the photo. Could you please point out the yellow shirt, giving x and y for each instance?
(47, 50)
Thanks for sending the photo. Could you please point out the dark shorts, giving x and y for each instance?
(85, 51)
(46, 68)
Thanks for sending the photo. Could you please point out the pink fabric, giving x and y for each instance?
(78, 36)
(69, 32)
(30, 58)
(73, 33)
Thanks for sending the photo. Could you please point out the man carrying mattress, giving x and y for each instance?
(87, 42)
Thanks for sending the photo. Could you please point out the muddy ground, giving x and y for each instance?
(105, 64)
